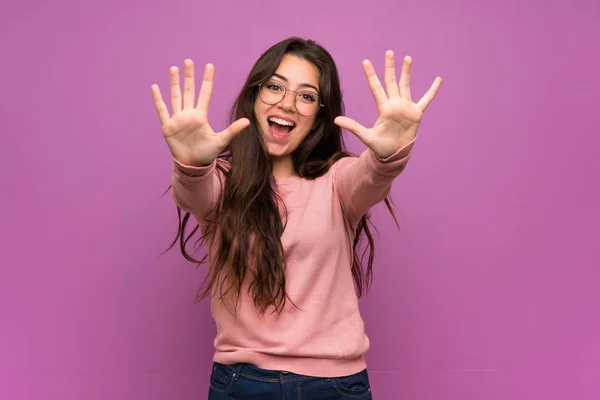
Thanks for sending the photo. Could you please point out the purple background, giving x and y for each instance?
(490, 289)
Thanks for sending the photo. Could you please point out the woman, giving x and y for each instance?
(281, 208)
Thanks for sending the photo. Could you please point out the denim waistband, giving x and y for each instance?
(266, 375)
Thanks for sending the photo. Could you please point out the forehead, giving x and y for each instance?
(298, 71)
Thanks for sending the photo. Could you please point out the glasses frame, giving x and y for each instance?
(295, 97)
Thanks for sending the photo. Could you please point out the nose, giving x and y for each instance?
(288, 101)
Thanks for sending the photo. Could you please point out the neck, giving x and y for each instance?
(283, 167)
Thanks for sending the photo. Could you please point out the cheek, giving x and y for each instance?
(308, 124)
(260, 108)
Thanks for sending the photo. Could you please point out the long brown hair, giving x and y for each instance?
(246, 225)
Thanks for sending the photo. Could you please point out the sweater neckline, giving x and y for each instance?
(287, 181)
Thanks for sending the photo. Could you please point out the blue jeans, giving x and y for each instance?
(246, 381)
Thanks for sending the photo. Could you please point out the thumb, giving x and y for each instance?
(235, 128)
(352, 126)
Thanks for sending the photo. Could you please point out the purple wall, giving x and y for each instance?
(489, 291)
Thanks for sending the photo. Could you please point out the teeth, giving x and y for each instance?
(281, 121)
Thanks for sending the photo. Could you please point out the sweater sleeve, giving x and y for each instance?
(361, 182)
(197, 190)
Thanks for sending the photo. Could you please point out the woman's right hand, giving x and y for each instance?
(189, 136)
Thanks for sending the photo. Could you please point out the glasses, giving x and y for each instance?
(306, 102)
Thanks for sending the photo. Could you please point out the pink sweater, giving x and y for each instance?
(326, 337)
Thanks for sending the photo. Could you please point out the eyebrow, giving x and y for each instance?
(301, 85)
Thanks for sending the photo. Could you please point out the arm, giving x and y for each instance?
(194, 145)
(362, 182)
(197, 190)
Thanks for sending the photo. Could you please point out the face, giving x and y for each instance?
(282, 126)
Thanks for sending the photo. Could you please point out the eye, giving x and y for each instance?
(274, 86)
(308, 97)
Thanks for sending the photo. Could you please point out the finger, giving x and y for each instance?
(175, 90)
(161, 107)
(405, 78)
(235, 128)
(390, 75)
(428, 97)
(189, 86)
(206, 88)
(352, 126)
(376, 88)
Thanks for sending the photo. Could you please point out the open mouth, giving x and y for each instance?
(280, 127)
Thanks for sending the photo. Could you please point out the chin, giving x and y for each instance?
(277, 152)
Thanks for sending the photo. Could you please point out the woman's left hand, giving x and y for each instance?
(399, 117)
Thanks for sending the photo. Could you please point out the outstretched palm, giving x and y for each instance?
(399, 117)
(189, 136)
